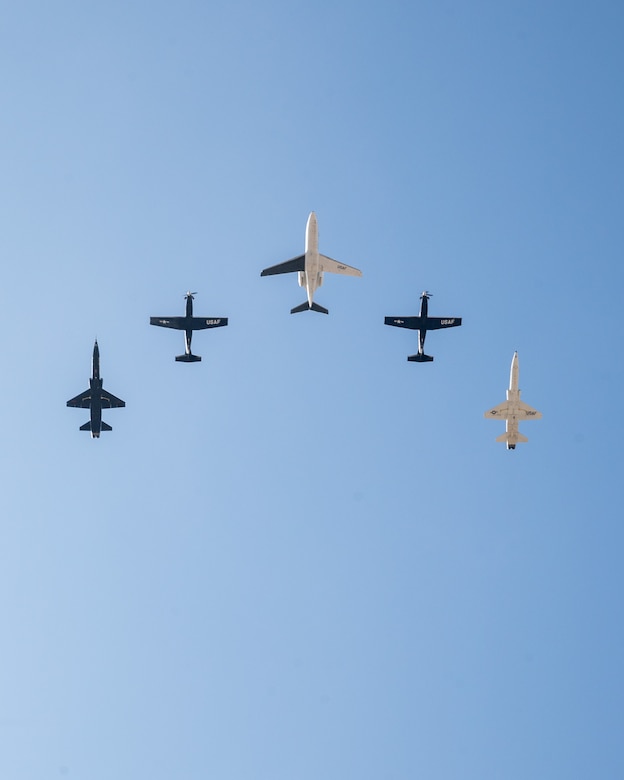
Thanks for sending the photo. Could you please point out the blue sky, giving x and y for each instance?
(304, 556)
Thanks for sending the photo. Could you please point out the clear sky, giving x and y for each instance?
(305, 557)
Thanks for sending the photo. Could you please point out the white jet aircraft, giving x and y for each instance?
(310, 267)
(513, 410)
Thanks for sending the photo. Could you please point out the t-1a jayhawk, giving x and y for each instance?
(310, 267)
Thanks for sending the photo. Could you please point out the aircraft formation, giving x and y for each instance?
(310, 268)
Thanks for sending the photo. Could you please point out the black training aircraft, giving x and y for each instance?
(96, 399)
(189, 324)
(422, 324)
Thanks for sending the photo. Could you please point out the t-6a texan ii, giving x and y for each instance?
(310, 267)
(96, 399)
(422, 324)
(188, 324)
(513, 410)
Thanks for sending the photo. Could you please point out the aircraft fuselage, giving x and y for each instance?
(95, 383)
(513, 398)
(96, 407)
(422, 333)
(188, 333)
(312, 277)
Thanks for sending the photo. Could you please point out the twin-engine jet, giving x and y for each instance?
(96, 399)
(310, 268)
(513, 410)
(422, 324)
(189, 324)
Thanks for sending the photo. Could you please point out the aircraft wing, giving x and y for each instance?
(435, 323)
(334, 267)
(501, 411)
(179, 323)
(82, 401)
(296, 264)
(413, 323)
(201, 323)
(110, 401)
(528, 412)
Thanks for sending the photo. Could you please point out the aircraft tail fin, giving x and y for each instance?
(188, 358)
(307, 307)
(512, 439)
(420, 358)
(103, 426)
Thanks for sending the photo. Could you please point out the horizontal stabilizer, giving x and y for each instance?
(420, 358)
(105, 426)
(296, 264)
(306, 307)
(512, 438)
(86, 426)
(188, 358)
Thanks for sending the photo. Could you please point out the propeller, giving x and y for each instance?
(190, 294)
(426, 294)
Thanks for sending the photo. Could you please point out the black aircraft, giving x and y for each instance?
(422, 324)
(96, 399)
(189, 324)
